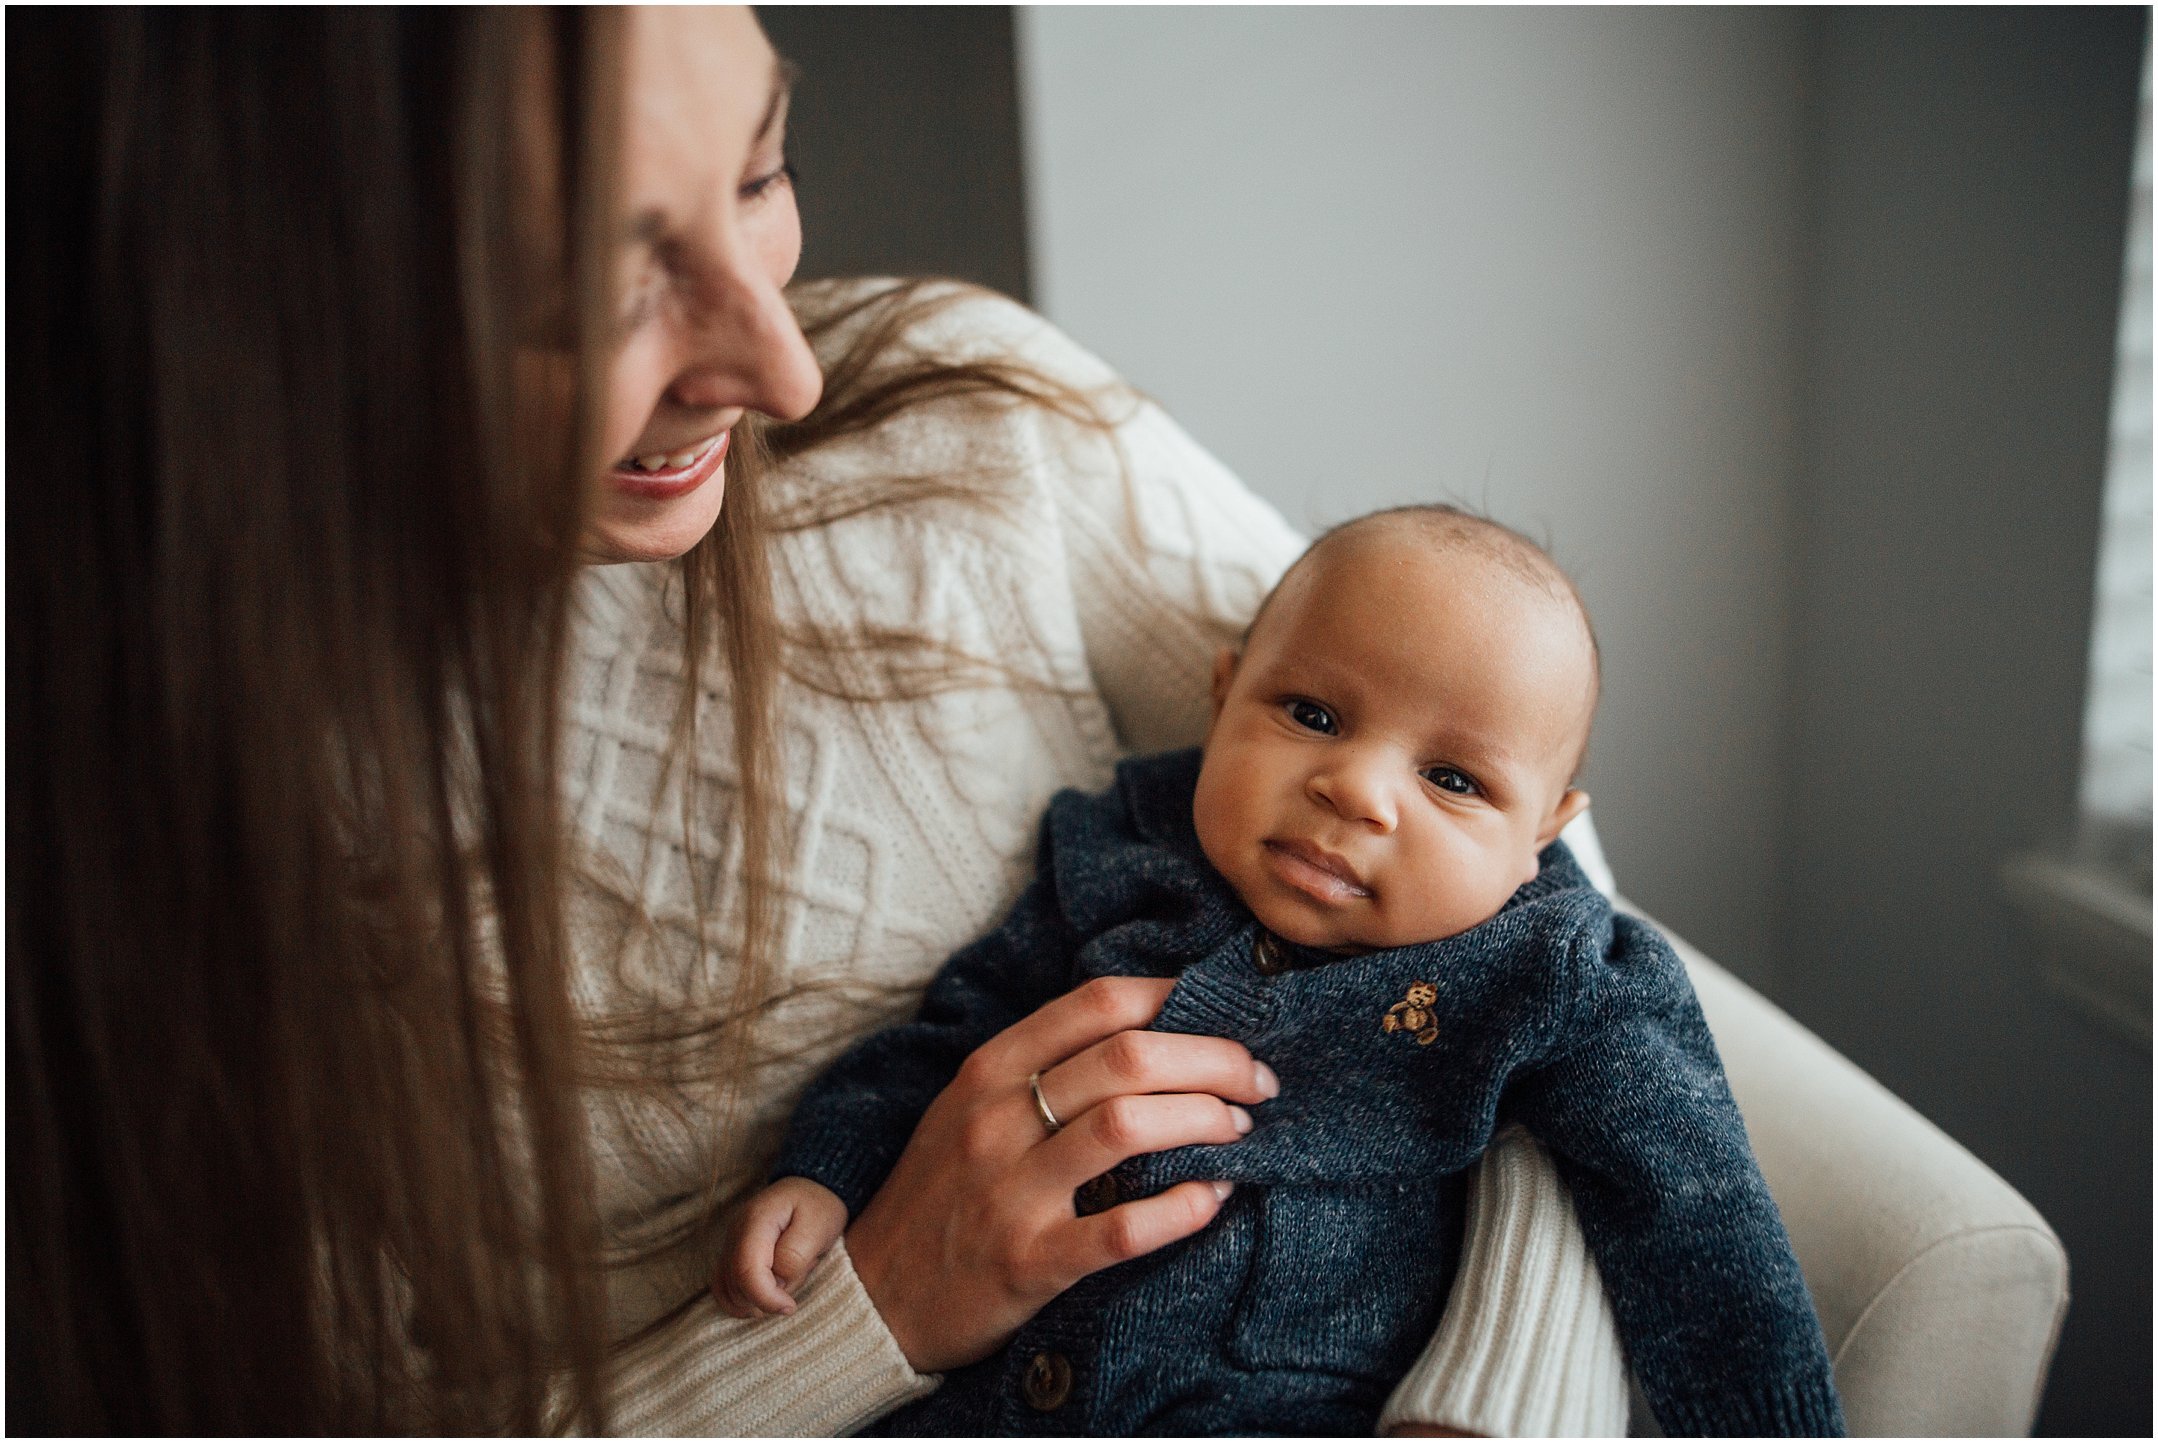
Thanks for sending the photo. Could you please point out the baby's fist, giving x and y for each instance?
(773, 1242)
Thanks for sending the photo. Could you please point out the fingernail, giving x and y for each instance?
(1269, 1085)
(1221, 1190)
(1241, 1118)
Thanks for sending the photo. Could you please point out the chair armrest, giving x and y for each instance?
(1940, 1290)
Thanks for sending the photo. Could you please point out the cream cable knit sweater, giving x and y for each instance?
(909, 828)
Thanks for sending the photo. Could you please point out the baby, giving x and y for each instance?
(1359, 877)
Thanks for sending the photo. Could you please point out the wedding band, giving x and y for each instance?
(1041, 1105)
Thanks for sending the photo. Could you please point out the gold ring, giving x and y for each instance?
(1041, 1105)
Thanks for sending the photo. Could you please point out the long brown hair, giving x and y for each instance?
(293, 1142)
(286, 610)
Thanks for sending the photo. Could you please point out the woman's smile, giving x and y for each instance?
(662, 477)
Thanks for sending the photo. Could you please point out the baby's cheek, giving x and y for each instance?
(1463, 887)
(1217, 815)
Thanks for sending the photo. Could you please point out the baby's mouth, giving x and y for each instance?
(1316, 871)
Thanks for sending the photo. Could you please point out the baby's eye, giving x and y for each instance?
(1447, 779)
(1312, 717)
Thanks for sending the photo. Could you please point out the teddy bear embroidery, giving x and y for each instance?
(1412, 1014)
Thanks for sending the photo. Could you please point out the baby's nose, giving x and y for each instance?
(1356, 793)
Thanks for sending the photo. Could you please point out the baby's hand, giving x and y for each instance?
(772, 1244)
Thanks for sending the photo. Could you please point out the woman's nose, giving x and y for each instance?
(747, 350)
(1356, 790)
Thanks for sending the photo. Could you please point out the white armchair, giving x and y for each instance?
(1940, 1290)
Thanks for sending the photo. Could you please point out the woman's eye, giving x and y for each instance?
(756, 189)
(1446, 779)
(642, 293)
(640, 308)
(1312, 717)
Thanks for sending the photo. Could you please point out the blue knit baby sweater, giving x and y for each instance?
(1301, 1305)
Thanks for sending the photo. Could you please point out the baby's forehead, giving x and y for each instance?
(1449, 539)
(1395, 556)
(1407, 573)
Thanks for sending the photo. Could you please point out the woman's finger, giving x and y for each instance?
(1080, 1018)
(1143, 1062)
(1122, 1127)
(1133, 1229)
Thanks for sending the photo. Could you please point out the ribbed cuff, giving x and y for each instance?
(824, 1370)
(1528, 1346)
(1775, 1409)
(853, 1174)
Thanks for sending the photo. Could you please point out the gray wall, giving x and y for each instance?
(905, 127)
(1969, 200)
(1540, 261)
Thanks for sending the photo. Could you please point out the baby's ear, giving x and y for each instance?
(1572, 805)
(1224, 672)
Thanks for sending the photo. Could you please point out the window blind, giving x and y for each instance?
(2116, 780)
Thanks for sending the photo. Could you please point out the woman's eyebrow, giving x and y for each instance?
(784, 73)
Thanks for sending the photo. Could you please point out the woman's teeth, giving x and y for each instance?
(666, 461)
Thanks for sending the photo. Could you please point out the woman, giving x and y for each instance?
(363, 1075)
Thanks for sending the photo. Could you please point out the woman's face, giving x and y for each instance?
(710, 237)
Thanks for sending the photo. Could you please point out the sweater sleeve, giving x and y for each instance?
(1527, 1347)
(854, 1121)
(1718, 1324)
(825, 1370)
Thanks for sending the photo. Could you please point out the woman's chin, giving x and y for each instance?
(632, 529)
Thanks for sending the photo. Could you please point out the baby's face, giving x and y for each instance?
(1392, 749)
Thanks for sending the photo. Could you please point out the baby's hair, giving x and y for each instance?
(1457, 528)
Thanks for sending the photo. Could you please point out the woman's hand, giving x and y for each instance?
(975, 1229)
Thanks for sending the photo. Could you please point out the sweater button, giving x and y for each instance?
(1269, 956)
(1097, 1195)
(1048, 1382)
